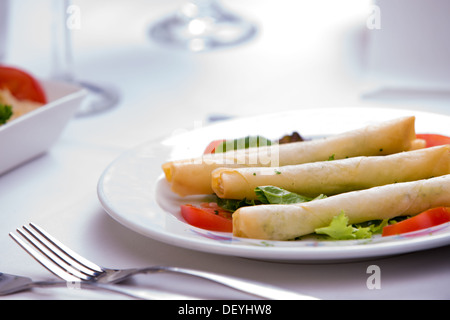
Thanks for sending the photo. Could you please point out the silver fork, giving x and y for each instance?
(70, 266)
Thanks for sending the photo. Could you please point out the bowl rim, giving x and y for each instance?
(74, 92)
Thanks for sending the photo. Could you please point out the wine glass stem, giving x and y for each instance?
(62, 42)
(4, 20)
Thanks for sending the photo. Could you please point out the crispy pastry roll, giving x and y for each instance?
(333, 177)
(193, 176)
(286, 222)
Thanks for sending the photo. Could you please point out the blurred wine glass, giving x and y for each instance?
(67, 17)
(4, 14)
(202, 25)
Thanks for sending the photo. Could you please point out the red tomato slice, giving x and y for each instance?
(211, 148)
(208, 216)
(21, 85)
(433, 140)
(426, 219)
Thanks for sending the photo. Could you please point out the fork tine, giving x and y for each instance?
(68, 252)
(55, 255)
(45, 262)
(50, 254)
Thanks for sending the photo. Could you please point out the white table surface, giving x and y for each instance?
(303, 57)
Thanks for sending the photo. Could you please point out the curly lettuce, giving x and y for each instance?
(340, 229)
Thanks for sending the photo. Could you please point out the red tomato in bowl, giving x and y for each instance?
(21, 84)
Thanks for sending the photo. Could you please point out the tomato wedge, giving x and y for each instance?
(208, 216)
(21, 85)
(426, 219)
(211, 148)
(433, 140)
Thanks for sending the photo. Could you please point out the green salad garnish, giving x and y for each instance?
(266, 195)
(5, 113)
(340, 229)
(275, 195)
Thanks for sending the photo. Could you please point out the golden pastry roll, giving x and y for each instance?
(193, 176)
(336, 176)
(287, 222)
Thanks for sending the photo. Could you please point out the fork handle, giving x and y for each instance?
(252, 288)
(141, 294)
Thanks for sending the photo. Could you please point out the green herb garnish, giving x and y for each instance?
(5, 113)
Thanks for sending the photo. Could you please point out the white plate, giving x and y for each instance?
(133, 191)
(32, 134)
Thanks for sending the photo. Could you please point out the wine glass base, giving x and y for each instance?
(99, 99)
(202, 33)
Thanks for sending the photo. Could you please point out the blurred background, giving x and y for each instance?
(306, 54)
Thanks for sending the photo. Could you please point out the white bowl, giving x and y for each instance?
(34, 133)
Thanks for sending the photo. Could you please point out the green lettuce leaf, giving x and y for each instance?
(275, 195)
(265, 195)
(232, 205)
(339, 229)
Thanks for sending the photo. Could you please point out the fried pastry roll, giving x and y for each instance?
(286, 222)
(336, 176)
(193, 176)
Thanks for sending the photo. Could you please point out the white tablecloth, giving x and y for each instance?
(307, 55)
